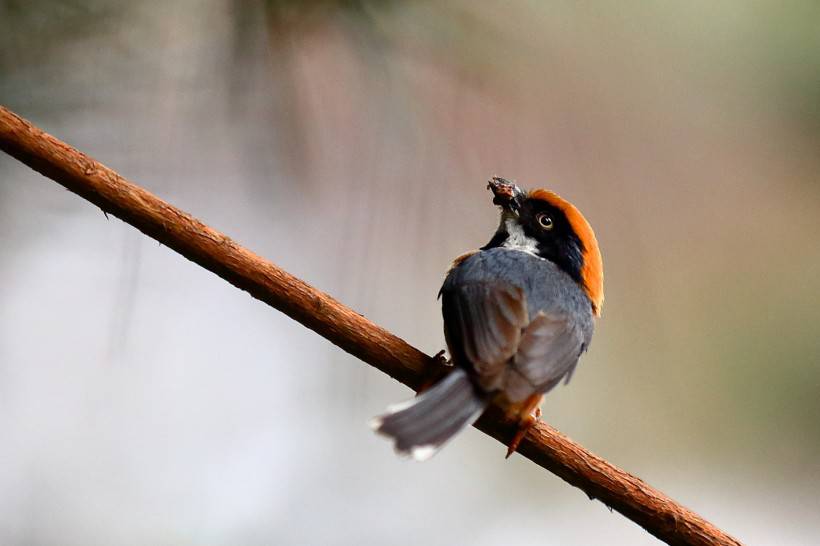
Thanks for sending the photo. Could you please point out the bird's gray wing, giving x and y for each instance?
(483, 324)
(547, 352)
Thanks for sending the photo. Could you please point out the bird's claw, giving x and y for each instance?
(439, 367)
(530, 414)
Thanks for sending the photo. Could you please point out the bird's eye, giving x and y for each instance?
(544, 221)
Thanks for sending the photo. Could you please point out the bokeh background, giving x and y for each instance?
(145, 401)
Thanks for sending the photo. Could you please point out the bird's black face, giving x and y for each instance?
(542, 229)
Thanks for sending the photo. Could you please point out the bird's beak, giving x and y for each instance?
(506, 194)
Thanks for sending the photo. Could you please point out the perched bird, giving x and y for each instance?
(518, 314)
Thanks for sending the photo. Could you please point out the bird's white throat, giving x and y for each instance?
(517, 239)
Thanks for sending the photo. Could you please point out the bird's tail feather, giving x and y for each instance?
(422, 425)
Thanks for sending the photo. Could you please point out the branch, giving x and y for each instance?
(545, 446)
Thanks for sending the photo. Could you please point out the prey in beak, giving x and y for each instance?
(506, 194)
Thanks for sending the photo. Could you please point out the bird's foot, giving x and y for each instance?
(529, 414)
(439, 367)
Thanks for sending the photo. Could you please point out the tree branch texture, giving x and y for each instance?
(545, 446)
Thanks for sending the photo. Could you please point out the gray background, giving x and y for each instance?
(145, 401)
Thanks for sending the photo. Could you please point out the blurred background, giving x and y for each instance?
(145, 401)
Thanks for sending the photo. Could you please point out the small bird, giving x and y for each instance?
(518, 313)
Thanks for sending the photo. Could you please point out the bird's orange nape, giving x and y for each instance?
(592, 272)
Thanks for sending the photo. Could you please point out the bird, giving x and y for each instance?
(518, 314)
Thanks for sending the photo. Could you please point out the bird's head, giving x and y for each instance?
(544, 224)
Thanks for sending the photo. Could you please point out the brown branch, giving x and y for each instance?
(545, 446)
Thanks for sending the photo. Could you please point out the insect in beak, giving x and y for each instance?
(506, 194)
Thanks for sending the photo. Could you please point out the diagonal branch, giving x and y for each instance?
(545, 446)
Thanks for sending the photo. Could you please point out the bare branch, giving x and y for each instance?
(545, 446)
